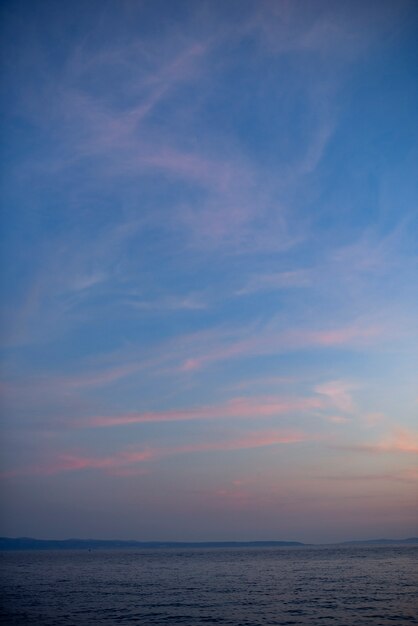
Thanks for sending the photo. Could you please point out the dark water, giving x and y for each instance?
(236, 587)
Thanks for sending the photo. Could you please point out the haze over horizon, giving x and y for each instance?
(209, 287)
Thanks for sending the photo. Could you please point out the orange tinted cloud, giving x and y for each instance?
(400, 440)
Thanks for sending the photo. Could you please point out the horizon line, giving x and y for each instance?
(209, 542)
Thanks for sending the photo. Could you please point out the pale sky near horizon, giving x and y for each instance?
(209, 272)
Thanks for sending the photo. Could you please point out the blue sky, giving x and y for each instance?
(209, 241)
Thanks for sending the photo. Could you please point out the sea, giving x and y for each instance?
(329, 585)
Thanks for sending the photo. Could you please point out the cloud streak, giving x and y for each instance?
(126, 462)
(400, 441)
(270, 341)
(241, 407)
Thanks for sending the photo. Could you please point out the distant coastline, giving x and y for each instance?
(29, 543)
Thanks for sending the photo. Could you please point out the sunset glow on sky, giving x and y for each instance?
(209, 272)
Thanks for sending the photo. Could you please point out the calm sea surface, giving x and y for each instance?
(239, 587)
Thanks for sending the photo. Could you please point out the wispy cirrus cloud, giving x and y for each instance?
(241, 407)
(201, 204)
(278, 280)
(184, 355)
(92, 122)
(282, 28)
(70, 462)
(270, 341)
(348, 335)
(66, 273)
(124, 141)
(186, 302)
(130, 461)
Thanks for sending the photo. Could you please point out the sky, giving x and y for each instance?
(209, 269)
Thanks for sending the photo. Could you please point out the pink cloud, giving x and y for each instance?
(343, 336)
(234, 350)
(399, 441)
(241, 407)
(125, 462)
(196, 351)
(267, 341)
(337, 394)
(70, 462)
